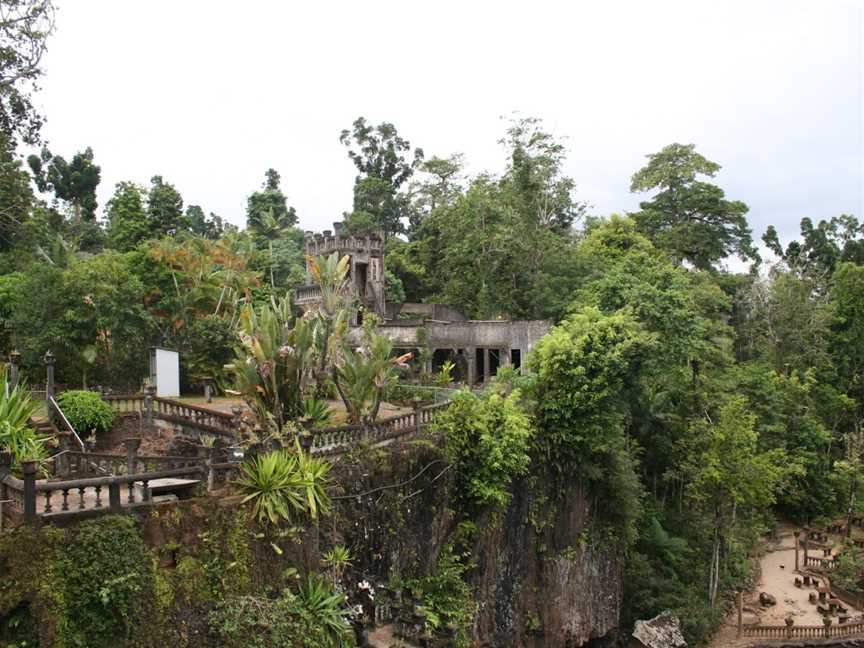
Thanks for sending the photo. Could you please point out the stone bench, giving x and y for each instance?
(182, 488)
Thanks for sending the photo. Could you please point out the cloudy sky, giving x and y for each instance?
(210, 94)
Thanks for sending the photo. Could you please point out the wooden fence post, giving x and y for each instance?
(29, 468)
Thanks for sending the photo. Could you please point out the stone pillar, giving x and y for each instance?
(740, 612)
(487, 370)
(806, 545)
(471, 361)
(797, 565)
(212, 458)
(14, 368)
(504, 357)
(29, 469)
(149, 392)
(49, 361)
(114, 496)
(5, 469)
(132, 445)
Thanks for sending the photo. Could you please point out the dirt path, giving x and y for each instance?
(778, 579)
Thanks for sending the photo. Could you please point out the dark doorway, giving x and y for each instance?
(480, 364)
(362, 273)
(516, 358)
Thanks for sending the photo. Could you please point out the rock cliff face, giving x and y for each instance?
(538, 580)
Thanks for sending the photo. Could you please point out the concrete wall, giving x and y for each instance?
(483, 334)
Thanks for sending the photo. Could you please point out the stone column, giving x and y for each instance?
(14, 368)
(208, 390)
(49, 361)
(132, 445)
(29, 469)
(471, 361)
(797, 565)
(740, 612)
(487, 370)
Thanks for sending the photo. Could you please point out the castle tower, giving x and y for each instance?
(366, 268)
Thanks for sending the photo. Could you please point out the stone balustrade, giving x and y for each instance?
(803, 631)
(43, 498)
(337, 440)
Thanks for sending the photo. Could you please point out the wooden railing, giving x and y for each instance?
(803, 632)
(337, 440)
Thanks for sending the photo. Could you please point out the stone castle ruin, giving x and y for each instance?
(475, 347)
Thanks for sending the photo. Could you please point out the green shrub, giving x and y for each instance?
(488, 440)
(315, 618)
(87, 412)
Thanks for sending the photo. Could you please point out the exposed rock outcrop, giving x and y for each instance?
(663, 631)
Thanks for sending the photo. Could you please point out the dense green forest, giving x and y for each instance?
(695, 403)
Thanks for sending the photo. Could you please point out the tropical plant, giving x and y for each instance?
(275, 361)
(282, 483)
(16, 435)
(272, 483)
(326, 608)
(361, 376)
(336, 560)
(87, 412)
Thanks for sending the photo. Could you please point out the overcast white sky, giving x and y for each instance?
(210, 94)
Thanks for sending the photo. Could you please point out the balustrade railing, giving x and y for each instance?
(174, 411)
(803, 631)
(336, 440)
(45, 498)
(85, 463)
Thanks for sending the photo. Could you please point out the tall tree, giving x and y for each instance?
(128, 224)
(16, 196)
(73, 182)
(210, 227)
(25, 26)
(269, 201)
(165, 208)
(385, 161)
(822, 247)
(689, 218)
